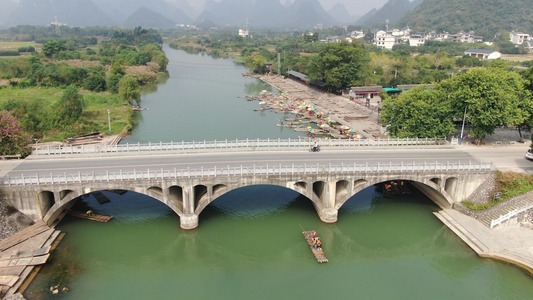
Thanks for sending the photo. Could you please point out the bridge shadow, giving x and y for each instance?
(255, 202)
(124, 206)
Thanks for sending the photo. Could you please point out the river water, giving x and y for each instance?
(249, 244)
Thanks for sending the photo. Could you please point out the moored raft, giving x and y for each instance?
(90, 216)
(317, 252)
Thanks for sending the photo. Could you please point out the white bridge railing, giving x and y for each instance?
(247, 144)
(271, 170)
(509, 215)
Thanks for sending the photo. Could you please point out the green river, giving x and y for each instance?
(249, 244)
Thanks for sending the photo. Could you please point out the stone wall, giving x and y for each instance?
(485, 192)
(503, 208)
(11, 221)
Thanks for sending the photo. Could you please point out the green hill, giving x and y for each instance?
(485, 17)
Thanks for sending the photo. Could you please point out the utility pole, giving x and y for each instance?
(463, 127)
(279, 64)
(109, 119)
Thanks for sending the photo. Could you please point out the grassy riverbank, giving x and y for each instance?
(509, 184)
(94, 117)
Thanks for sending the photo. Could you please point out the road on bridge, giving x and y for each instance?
(234, 159)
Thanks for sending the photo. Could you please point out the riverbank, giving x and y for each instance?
(364, 120)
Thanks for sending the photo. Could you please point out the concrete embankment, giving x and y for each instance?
(510, 244)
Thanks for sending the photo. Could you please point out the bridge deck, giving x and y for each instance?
(317, 252)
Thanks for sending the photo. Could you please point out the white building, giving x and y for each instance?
(384, 40)
(243, 32)
(417, 40)
(434, 36)
(518, 38)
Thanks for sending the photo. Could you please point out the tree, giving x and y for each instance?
(117, 68)
(112, 82)
(340, 64)
(128, 90)
(256, 63)
(491, 96)
(53, 47)
(95, 83)
(13, 139)
(418, 113)
(70, 107)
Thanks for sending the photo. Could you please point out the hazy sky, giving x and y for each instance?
(354, 7)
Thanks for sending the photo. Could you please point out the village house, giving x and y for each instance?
(244, 32)
(357, 34)
(417, 40)
(387, 39)
(465, 37)
(518, 38)
(483, 53)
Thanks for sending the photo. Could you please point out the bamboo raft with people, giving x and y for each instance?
(316, 245)
(90, 216)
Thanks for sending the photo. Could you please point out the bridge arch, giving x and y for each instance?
(430, 187)
(46, 201)
(268, 196)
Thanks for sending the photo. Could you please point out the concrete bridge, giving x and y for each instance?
(188, 191)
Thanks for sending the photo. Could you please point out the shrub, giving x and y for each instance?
(9, 53)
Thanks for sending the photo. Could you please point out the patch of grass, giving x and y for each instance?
(510, 184)
(514, 184)
(479, 206)
(16, 45)
(51, 95)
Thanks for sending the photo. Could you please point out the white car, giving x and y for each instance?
(529, 154)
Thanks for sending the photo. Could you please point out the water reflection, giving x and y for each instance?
(253, 202)
(152, 88)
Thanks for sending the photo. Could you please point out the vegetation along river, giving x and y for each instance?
(249, 243)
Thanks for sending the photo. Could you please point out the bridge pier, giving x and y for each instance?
(189, 221)
(328, 215)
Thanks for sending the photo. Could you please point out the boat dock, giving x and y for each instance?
(22, 254)
(317, 252)
(90, 216)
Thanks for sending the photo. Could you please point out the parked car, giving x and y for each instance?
(529, 154)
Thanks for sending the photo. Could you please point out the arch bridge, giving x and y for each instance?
(188, 192)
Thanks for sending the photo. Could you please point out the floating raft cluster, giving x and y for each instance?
(317, 252)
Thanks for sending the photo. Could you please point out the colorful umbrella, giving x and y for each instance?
(312, 130)
(352, 131)
(344, 127)
(330, 120)
(324, 126)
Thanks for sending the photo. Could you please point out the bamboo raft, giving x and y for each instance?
(91, 216)
(317, 252)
